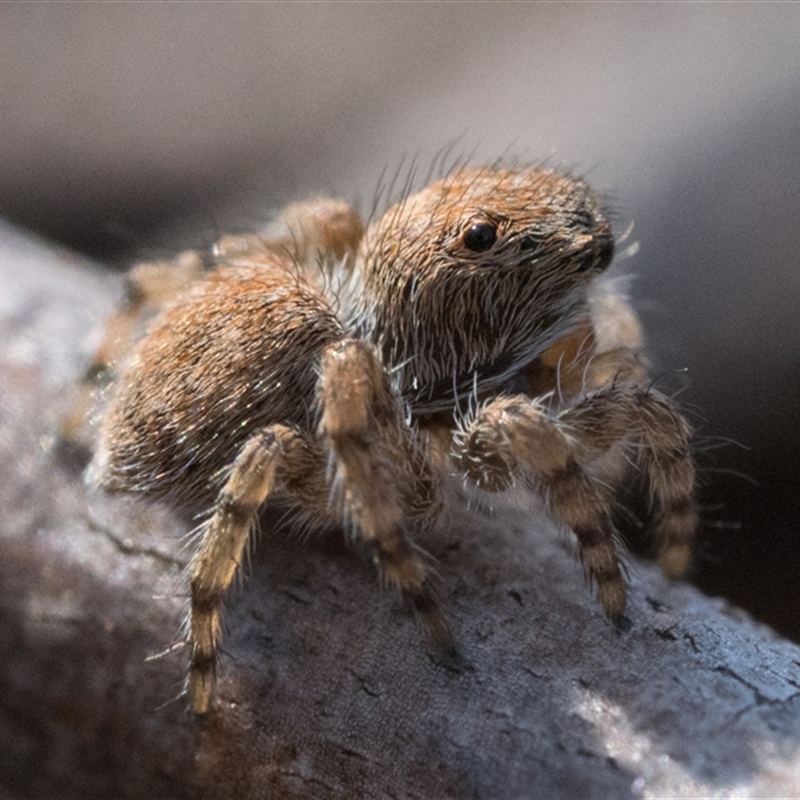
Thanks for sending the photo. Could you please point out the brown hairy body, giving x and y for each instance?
(347, 371)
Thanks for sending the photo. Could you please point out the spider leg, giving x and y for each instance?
(660, 435)
(517, 435)
(362, 425)
(664, 435)
(563, 451)
(274, 454)
(148, 288)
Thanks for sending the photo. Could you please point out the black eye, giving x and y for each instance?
(480, 236)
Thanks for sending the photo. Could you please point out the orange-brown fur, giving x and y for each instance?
(348, 371)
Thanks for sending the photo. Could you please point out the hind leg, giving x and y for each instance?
(148, 288)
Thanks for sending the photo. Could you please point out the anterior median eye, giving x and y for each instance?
(480, 236)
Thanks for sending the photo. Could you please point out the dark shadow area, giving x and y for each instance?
(720, 257)
(75, 722)
(117, 219)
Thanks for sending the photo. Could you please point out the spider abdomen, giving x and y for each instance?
(237, 353)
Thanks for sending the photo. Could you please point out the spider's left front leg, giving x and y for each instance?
(512, 435)
(515, 435)
(563, 451)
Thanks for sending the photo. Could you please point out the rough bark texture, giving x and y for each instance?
(327, 689)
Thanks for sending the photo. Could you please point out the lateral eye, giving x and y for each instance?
(480, 236)
(531, 243)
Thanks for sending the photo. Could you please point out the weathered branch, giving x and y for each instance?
(328, 689)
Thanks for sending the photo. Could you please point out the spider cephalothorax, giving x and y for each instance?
(477, 276)
(471, 333)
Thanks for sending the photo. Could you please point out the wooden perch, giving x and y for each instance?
(327, 689)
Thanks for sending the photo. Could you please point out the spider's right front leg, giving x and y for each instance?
(383, 475)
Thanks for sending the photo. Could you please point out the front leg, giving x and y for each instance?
(514, 436)
(565, 452)
(383, 478)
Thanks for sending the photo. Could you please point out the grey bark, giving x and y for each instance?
(327, 688)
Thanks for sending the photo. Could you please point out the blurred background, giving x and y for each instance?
(132, 129)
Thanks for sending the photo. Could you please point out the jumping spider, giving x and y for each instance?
(348, 370)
